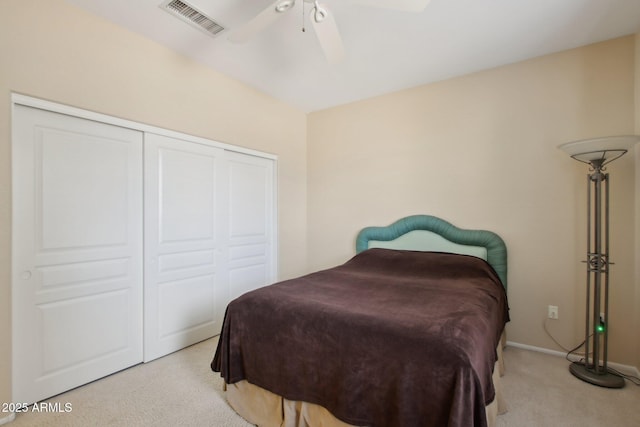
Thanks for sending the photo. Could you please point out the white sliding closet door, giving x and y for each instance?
(251, 223)
(128, 242)
(185, 236)
(77, 251)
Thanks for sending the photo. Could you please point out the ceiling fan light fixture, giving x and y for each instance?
(319, 14)
(284, 5)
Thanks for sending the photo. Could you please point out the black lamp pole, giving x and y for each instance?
(598, 152)
(592, 370)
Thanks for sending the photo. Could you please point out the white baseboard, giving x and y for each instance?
(7, 419)
(625, 369)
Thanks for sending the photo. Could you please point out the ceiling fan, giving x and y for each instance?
(321, 19)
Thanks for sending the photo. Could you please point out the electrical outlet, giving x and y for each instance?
(552, 312)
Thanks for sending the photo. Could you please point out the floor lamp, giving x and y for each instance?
(597, 153)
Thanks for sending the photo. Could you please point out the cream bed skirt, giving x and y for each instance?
(266, 409)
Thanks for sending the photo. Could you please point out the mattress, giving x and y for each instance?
(266, 409)
(390, 338)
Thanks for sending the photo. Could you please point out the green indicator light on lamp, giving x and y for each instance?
(600, 328)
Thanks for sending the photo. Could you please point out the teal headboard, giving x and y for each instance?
(429, 233)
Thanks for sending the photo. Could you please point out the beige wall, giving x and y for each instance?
(637, 197)
(51, 50)
(480, 151)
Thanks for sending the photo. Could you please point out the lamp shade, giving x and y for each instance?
(603, 150)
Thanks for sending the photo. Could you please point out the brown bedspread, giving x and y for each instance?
(390, 338)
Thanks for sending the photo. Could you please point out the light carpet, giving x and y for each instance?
(180, 390)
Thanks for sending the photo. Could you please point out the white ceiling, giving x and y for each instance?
(386, 50)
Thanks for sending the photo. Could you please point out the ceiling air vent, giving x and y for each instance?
(192, 16)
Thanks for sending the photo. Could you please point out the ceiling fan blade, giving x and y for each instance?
(261, 21)
(402, 5)
(328, 35)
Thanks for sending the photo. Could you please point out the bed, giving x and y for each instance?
(406, 333)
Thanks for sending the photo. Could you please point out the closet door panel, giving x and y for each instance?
(184, 243)
(126, 245)
(77, 251)
(251, 223)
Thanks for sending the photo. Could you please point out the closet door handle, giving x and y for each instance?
(26, 275)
